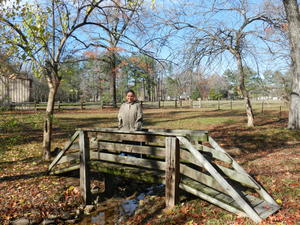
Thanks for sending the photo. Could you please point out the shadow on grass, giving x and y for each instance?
(27, 160)
(24, 176)
(88, 122)
(267, 137)
(200, 116)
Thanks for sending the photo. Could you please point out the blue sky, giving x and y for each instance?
(227, 19)
(178, 42)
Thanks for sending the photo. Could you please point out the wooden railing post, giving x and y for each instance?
(172, 171)
(85, 188)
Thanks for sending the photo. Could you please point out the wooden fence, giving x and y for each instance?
(176, 158)
(258, 105)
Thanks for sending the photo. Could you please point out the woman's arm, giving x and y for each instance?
(139, 118)
(120, 120)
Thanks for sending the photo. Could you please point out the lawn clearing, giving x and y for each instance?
(270, 152)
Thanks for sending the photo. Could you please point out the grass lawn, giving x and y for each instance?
(269, 152)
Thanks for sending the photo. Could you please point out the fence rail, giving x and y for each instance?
(258, 105)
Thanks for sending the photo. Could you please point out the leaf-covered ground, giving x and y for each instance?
(270, 152)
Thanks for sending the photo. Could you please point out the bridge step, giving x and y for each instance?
(262, 207)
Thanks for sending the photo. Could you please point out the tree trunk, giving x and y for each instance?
(144, 90)
(293, 17)
(245, 93)
(148, 87)
(113, 90)
(53, 86)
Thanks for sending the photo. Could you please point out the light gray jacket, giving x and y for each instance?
(130, 116)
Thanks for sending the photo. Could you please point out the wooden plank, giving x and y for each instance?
(232, 174)
(202, 134)
(224, 198)
(129, 160)
(216, 154)
(74, 156)
(266, 209)
(116, 137)
(212, 200)
(85, 187)
(200, 177)
(239, 177)
(263, 193)
(254, 201)
(119, 147)
(172, 171)
(222, 181)
(67, 146)
(64, 170)
(128, 171)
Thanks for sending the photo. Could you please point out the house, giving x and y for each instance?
(14, 89)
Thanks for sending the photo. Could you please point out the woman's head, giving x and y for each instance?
(130, 96)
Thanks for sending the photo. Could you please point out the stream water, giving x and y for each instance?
(114, 211)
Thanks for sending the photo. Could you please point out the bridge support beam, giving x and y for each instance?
(172, 171)
(85, 187)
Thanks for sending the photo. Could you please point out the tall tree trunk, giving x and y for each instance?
(293, 17)
(53, 86)
(144, 89)
(113, 89)
(245, 93)
(148, 89)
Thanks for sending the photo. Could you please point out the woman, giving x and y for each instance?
(130, 114)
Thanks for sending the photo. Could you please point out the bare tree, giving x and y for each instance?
(212, 36)
(293, 18)
(118, 17)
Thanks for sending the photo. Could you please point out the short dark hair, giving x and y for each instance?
(130, 90)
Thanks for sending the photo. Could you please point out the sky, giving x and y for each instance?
(178, 43)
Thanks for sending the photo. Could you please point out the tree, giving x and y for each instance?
(71, 74)
(211, 36)
(218, 87)
(293, 18)
(46, 34)
(253, 82)
(141, 71)
(278, 84)
(117, 19)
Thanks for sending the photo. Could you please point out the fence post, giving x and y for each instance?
(230, 104)
(159, 104)
(58, 105)
(172, 171)
(175, 103)
(85, 188)
(262, 107)
(81, 105)
(180, 103)
(218, 104)
(279, 112)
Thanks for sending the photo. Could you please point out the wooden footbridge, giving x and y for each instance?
(181, 159)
